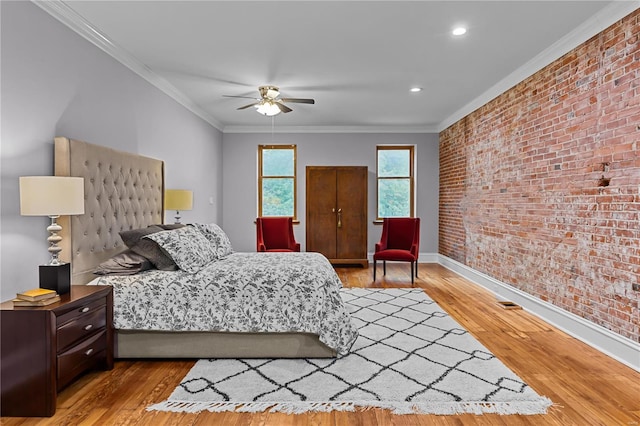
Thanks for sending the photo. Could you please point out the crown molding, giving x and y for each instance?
(66, 15)
(594, 25)
(330, 129)
(606, 17)
(69, 17)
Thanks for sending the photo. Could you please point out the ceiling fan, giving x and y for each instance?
(269, 103)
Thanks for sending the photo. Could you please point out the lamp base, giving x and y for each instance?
(56, 277)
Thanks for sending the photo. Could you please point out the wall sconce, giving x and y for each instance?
(178, 199)
(52, 196)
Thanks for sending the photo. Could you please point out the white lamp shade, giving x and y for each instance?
(51, 195)
(178, 199)
(268, 108)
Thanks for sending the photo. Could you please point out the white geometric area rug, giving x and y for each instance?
(410, 357)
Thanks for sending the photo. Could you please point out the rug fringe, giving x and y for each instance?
(441, 408)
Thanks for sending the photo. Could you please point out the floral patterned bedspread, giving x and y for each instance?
(244, 292)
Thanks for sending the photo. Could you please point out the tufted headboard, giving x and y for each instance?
(122, 191)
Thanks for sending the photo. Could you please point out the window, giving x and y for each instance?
(277, 180)
(395, 181)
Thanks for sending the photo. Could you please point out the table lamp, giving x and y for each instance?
(178, 199)
(52, 196)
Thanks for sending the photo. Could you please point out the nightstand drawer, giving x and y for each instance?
(81, 309)
(44, 348)
(81, 327)
(80, 358)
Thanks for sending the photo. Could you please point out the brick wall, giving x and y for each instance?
(539, 188)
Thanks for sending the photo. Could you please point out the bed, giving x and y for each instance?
(124, 192)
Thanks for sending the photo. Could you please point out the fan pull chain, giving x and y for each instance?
(273, 119)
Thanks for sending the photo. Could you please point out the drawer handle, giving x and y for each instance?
(85, 309)
(89, 352)
(88, 327)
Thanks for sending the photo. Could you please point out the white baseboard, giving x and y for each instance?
(617, 347)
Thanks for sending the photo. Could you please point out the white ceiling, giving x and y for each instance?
(357, 59)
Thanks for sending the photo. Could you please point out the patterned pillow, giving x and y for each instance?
(217, 237)
(187, 247)
(148, 248)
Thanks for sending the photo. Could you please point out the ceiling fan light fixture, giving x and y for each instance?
(458, 31)
(269, 103)
(273, 93)
(268, 108)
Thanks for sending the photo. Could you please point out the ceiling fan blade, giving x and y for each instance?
(298, 100)
(282, 107)
(243, 97)
(250, 105)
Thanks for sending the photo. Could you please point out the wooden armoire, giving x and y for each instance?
(336, 218)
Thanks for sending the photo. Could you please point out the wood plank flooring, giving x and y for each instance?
(586, 386)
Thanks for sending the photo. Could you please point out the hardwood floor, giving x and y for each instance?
(586, 386)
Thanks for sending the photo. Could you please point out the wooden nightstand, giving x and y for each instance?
(43, 349)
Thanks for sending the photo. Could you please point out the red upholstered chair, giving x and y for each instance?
(275, 234)
(399, 242)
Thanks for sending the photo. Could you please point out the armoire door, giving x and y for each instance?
(321, 215)
(336, 202)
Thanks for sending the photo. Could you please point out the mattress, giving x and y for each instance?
(243, 292)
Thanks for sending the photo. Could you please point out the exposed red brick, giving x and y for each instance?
(539, 188)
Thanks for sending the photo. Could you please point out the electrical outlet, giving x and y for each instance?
(635, 287)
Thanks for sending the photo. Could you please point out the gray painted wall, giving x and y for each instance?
(240, 177)
(55, 83)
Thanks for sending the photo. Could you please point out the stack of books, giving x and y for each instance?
(36, 297)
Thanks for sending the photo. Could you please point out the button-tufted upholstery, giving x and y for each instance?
(123, 191)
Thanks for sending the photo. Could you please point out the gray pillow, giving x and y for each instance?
(170, 226)
(148, 248)
(126, 263)
(187, 247)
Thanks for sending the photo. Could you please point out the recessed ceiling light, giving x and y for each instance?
(416, 89)
(458, 31)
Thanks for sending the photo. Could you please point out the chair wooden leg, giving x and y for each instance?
(416, 269)
(374, 270)
(411, 274)
(384, 267)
